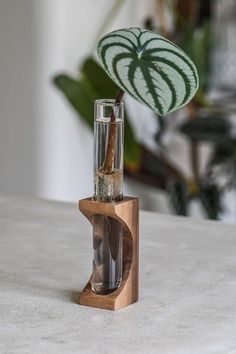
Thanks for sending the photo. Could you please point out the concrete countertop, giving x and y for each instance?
(187, 285)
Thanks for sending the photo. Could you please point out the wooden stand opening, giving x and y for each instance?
(126, 212)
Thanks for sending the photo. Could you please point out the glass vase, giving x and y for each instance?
(108, 188)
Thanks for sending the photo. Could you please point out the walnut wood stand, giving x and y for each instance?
(126, 212)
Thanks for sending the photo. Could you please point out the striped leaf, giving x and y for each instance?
(149, 67)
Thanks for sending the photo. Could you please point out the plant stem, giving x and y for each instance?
(110, 150)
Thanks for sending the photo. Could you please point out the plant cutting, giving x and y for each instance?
(151, 69)
(160, 75)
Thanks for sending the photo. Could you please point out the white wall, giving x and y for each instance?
(18, 167)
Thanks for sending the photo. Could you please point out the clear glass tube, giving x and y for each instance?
(108, 188)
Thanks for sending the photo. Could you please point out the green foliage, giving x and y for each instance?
(79, 93)
(213, 127)
(92, 84)
(178, 195)
(209, 129)
(99, 80)
(156, 166)
(196, 42)
(210, 197)
(224, 157)
(162, 126)
(223, 153)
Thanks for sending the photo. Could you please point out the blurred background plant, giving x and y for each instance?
(206, 122)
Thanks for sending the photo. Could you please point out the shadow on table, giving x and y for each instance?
(74, 296)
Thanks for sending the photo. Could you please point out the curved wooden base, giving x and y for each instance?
(126, 212)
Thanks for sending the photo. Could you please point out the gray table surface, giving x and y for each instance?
(187, 286)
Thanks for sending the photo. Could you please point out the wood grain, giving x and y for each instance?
(127, 212)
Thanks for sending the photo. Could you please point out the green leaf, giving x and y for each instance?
(211, 200)
(79, 93)
(149, 67)
(211, 129)
(99, 80)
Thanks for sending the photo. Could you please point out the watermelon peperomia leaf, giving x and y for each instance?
(149, 67)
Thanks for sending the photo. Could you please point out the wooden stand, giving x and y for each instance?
(126, 212)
